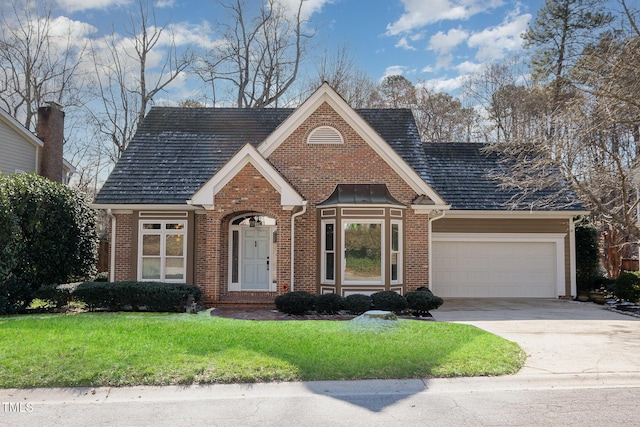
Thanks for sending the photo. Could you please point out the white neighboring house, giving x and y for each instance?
(21, 151)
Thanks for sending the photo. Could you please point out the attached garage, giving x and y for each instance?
(483, 265)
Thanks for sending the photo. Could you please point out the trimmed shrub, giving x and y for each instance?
(357, 303)
(422, 301)
(14, 296)
(328, 303)
(152, 296)
(103, 276)
(587, 256)
(389, 301)
(52, 236)
(54, 296)
(297, 302)
(627, 287)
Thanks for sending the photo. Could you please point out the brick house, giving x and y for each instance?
(248, 204)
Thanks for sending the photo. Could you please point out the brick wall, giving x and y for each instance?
(247, 192)
(124, 247)
(315, 170)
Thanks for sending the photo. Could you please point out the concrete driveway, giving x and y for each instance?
(559, 337)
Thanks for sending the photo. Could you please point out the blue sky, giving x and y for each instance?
(432, 41)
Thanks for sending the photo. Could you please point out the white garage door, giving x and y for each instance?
(502, 268)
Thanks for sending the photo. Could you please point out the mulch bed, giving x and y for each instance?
(268, 313)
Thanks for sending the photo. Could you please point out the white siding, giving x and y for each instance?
(16, 153)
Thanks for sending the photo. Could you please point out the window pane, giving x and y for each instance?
(329, 267)
(174, 269)
(395, 237)
(328, 237)
(363, 252)
(394, 266)
(174, 244)
(151, 226)
(151, 268)
(175, 227)
(235, 248)
(151, 244)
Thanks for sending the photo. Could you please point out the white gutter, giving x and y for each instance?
(430, 243)
(293, 220)
(112, 255)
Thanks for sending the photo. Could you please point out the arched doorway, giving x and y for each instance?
(252, 249)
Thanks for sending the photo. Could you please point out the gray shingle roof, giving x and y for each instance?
(176, 150)
(462, 174)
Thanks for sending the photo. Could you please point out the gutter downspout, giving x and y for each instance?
(293, 220)
(112, 255)
(430, 243)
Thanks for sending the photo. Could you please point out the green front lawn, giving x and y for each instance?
(120, 349)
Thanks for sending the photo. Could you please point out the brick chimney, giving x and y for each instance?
(50, 129)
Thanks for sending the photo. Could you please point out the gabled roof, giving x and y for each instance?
(463, 174)
(177, 150)
(20, 129)
(289, 197)
(395, 127)
(29, 136)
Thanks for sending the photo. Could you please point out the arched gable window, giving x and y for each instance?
(325, 135)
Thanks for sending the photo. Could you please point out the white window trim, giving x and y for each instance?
(400, 252)
(383, 251)
(163, 232)
(323, 251)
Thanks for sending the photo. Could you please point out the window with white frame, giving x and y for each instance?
(328, 251)
(396, 251)
(363, 249)
(162, 251)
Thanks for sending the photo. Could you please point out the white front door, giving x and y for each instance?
(256, 244)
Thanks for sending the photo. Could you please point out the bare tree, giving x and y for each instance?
(125, 83)
(396, 92)
(345, 77)
(481, 89)
(38, 62)
(594, 148)
(260, 55)
(442, 118)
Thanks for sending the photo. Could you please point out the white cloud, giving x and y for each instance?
(495, 42)
(444, 43)
(468, 67)
(395, 70)
(444, 84)
(309, 7)
(419, 13)
(80, 5)
(403, 43)
(161, 4)
(444, 61)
